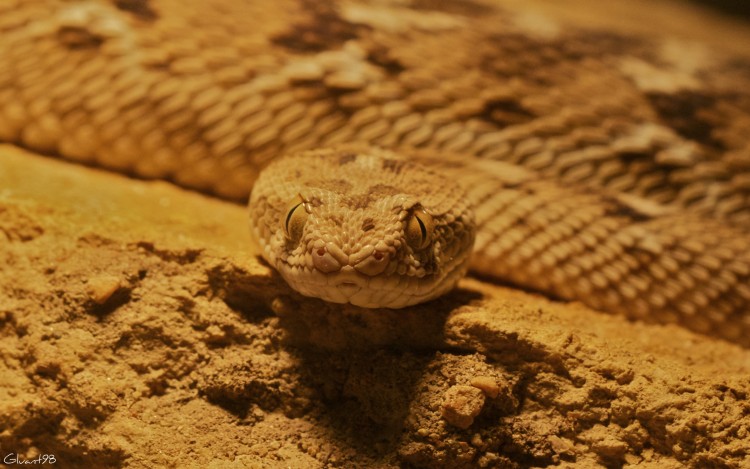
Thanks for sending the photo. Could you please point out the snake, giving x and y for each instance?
(363, 226)
(388, 147)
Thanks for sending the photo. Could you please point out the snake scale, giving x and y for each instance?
(596, 166)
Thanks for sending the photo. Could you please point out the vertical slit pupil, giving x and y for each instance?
(422, 228)
(289, 216)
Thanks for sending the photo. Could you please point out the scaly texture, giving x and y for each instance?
(613, 252)
(363, 226)
(636, 193)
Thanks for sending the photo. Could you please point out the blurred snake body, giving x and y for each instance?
(381, 140)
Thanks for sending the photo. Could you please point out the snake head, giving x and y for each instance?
(362, 225)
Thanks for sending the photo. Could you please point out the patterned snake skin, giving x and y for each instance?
(362, 225)
(606, 168)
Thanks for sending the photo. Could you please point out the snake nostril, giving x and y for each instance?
(374, 264)
(324, 261)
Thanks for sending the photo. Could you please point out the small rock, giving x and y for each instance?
(101, 288)
(461, 405)
(488, 459)
(561, 445)
(487, 384)
(611, 448)
(215, 333)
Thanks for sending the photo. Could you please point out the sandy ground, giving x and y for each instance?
(139, 330)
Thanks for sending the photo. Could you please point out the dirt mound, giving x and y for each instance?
(138, 330)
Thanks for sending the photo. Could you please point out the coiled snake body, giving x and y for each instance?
(592, 166)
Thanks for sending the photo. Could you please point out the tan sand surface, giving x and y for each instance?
(138, 330)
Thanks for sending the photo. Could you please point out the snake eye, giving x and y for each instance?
(419, 229)
(294, 222)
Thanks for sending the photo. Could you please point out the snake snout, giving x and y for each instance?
(331, 258)
(373, 264)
